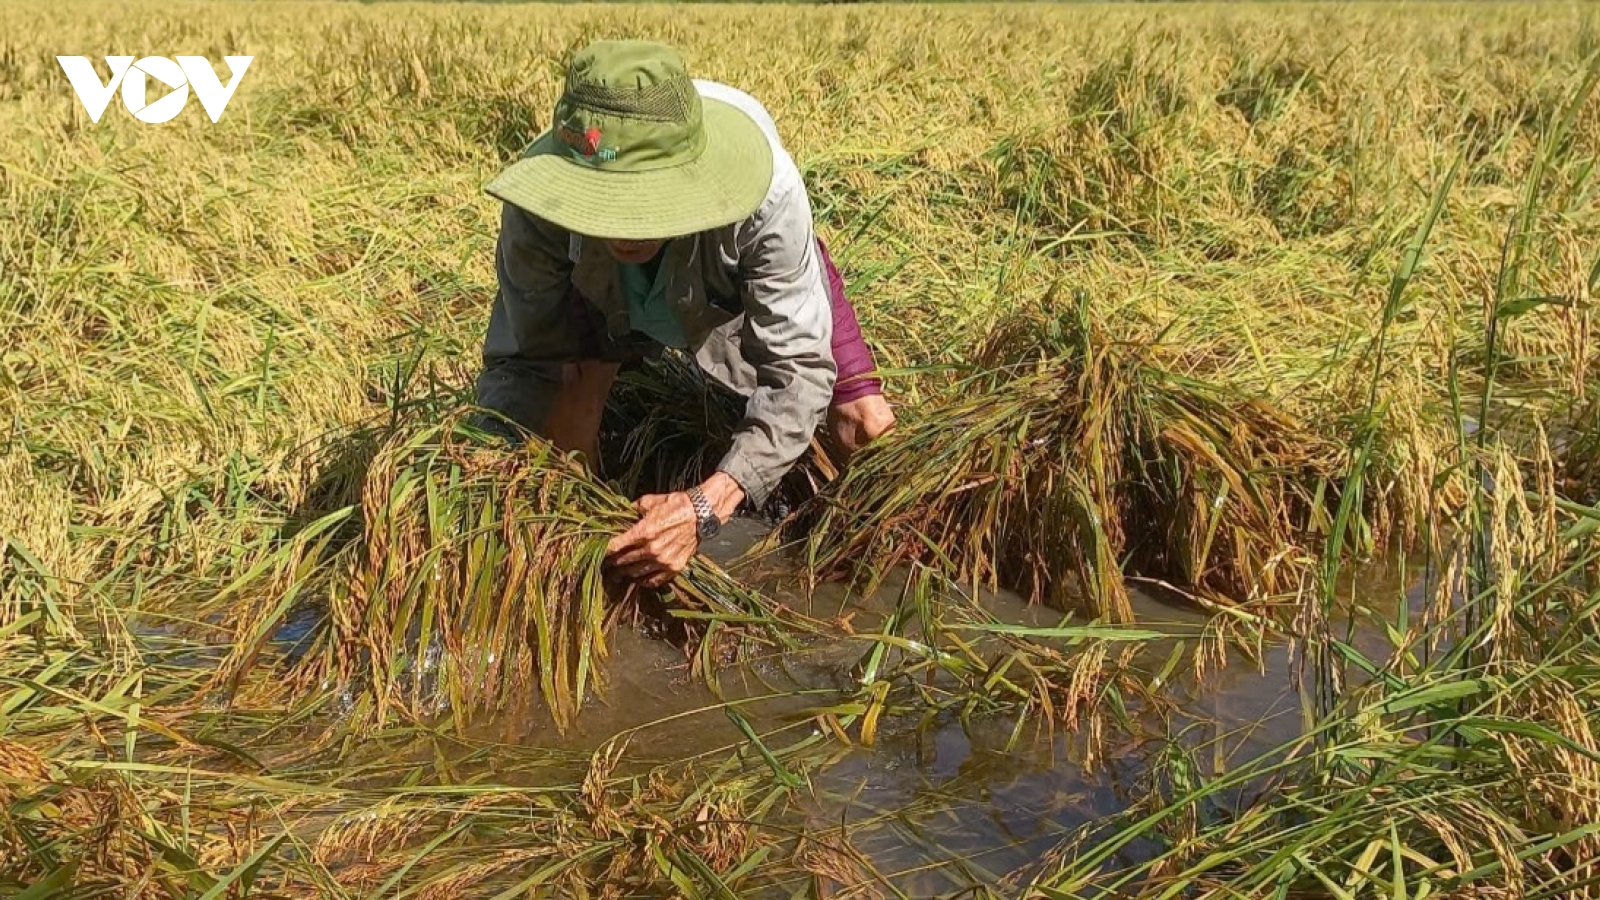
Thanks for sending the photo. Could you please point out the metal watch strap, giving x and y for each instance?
(704, 514)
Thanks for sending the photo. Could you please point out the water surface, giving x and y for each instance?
(937, 804)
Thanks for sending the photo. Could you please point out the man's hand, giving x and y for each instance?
(659, 546)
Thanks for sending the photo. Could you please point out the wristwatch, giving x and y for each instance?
(706, 522)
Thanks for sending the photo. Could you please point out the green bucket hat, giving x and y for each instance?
(635, 153)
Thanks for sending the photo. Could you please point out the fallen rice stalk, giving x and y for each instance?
(1070, 457)
(478, 577)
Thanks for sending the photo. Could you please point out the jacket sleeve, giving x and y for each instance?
(529, 334)
(786, 337)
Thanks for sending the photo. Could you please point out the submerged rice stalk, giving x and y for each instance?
(1454, 780)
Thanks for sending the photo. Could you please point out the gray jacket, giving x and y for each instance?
(751, 296)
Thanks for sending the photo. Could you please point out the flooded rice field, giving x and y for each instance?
(939, 802)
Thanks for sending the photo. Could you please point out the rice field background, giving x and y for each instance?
(1238, 537)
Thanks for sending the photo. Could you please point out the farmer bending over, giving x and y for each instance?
(661, 211)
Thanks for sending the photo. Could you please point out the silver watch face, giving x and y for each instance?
(709, 526)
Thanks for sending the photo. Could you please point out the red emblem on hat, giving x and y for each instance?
(587, 143)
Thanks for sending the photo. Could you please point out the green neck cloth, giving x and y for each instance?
(648, 309)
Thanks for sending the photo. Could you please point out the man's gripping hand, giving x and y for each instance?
(659, 546)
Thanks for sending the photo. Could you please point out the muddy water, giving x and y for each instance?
(936, 805)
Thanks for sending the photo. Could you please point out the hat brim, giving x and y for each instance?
(725, 184)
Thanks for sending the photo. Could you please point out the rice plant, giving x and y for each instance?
(1465, 775)
(668, 424)
(1067, 458)
(478, 576)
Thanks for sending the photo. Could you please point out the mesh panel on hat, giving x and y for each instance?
(665, 101)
